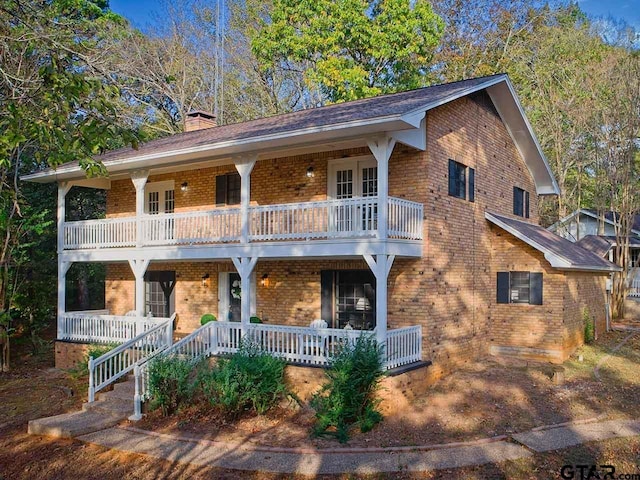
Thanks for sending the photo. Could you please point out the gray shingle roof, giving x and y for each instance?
(560, 252)
(597, 244)
(358, 110)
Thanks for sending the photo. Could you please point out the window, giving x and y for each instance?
(520, 202)
(348, 297)
(228, 189)
(519, 287)
(461, 179)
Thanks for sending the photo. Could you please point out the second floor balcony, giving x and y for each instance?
(350, 218)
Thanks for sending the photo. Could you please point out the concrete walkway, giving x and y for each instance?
(360, 460)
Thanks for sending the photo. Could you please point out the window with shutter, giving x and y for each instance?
(520, 202)
(519, 287)
(228, 189)
(472, 185)
(458, 179)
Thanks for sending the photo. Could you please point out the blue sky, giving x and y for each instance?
(140, 12)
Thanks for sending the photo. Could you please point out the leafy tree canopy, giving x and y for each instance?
(355, 48)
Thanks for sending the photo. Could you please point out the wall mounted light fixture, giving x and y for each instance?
(264, 281)
(310, 172)
(184, 187)
(205, 280)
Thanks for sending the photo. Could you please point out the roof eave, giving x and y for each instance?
(228, 148)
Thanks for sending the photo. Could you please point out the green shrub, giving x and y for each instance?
(206, 318)
(255, 320)
(169, 383)
(248, 380)
(349, 396)
(589, 327)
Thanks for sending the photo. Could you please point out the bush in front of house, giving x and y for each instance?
(349, 396)
(589, 327)
(170, 384)
(250, 379)
(206, 318)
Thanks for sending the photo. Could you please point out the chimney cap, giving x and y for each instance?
(201, 113)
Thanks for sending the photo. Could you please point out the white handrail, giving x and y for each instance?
(404, 346)
(193, 347)
(355, 217)
(116, 363)
(99, 328)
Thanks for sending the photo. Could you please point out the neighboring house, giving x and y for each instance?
(412, 214)
(597, 233)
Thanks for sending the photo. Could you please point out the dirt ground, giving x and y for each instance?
(487, 399)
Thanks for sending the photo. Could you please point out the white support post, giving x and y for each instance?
(63, 189)
(381, 148)
(139, 267)
(139, 179)
(381, 266)
(244, 165)
(63, 268)
(244, 266)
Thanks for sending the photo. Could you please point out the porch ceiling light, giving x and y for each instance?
(310, 172)
(205, 280)
(184, 187)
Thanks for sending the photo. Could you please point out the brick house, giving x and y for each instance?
(413, 215)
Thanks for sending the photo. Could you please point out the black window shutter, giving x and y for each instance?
(526, 204)
(503, 287)
(221, 189)
(535, 286)
(472, 185)
(517, 201)
(326, 296)
(452, 178)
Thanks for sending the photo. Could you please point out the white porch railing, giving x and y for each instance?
(306, 345)
(103, 233)
(96, 327)
(116, 363)
(352, 217)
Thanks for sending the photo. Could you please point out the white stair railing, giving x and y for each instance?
(118, 362)
(194, 347)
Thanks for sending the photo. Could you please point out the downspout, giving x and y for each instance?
(607, 305)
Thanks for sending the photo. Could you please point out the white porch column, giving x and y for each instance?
(381, 266)
(63, 268)
(381, 148)
(244, 266)
(139, 179)
(139, 267)
(244, 165)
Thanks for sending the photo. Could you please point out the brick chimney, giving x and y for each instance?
(199, 120)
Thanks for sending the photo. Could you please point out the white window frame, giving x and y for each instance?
(159, 187)
(354, 163)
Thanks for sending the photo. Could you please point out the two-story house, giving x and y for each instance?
(413, 215)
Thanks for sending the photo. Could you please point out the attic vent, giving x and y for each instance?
(199, 120)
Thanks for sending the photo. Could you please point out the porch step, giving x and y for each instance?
(110, 409)
(69, 425)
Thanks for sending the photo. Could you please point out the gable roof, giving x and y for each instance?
(601, 244)
(608, 218)
(558, 251)
(360, 118)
